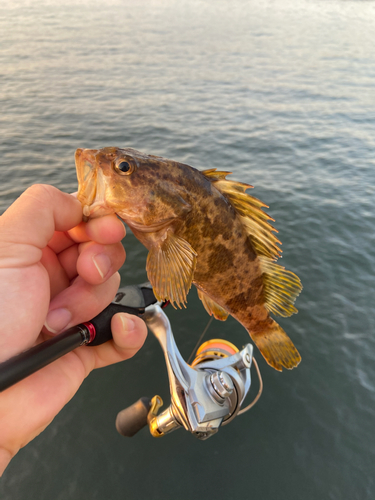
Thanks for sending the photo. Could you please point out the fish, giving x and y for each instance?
(199, 228)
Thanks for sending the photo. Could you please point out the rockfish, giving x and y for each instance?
(199, 228)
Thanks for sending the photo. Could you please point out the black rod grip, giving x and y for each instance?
(21, 366)
(102, 322)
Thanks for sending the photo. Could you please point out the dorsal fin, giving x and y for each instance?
(214, 175)
(250, 212)
(281, 287)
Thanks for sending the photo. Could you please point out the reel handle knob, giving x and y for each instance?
(133, 418)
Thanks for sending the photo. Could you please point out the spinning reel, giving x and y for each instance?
(205, 395)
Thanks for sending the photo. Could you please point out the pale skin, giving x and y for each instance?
(55, 272)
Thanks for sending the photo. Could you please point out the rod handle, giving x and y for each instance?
(24, 364)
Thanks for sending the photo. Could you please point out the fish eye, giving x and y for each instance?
(123, 167)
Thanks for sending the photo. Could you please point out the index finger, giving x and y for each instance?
(38, 213)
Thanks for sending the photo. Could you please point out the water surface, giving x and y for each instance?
(280, 93)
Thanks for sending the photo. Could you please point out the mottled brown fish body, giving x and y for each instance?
(199, 228)
(228, 269)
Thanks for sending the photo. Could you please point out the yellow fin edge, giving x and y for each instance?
(212, 307)
(281, 288)
(254, 220)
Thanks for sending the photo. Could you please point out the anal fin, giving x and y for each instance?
(276, 347)
(212, 307)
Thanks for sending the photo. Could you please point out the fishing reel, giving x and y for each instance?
(205, 394)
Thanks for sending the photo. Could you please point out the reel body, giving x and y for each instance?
(204, 395)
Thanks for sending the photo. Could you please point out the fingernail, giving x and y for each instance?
(128, 324)
(57, 320)
(102, 263)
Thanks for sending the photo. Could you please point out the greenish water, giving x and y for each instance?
(283, 95)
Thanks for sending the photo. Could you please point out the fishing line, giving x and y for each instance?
(259, 392)
(200, 339)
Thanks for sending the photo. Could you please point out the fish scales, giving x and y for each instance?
(199, 229)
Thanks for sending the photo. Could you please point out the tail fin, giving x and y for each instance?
(275, 346)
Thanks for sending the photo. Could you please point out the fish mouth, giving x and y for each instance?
(91, 186)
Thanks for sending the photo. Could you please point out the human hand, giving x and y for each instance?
(55, 272)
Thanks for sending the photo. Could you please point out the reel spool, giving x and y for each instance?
(213, 349)
(220, 348)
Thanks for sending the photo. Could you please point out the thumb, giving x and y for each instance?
(129, 333)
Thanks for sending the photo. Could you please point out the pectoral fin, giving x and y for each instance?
(170, 269)
(212, 307)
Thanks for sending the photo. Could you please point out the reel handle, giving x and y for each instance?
(133, 418)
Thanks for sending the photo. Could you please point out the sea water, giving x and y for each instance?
(282, 94)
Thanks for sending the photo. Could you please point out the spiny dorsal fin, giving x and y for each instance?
(250, 212)
(281, 288)
(214, 175)
(170, 269)
(212, 307)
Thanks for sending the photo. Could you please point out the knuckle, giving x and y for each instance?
(42, 193)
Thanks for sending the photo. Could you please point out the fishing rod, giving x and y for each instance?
(130, 299)
(205, 394)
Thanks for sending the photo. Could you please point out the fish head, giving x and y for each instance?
(142, 189)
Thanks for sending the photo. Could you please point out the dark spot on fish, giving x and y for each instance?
(249, 250)
(225, 224)
(251, 295)
(257, 285)
(238, 302)
(151, 208)
(206, 227)
(135, 182)
(221, 259)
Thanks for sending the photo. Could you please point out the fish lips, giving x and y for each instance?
(91, 186)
